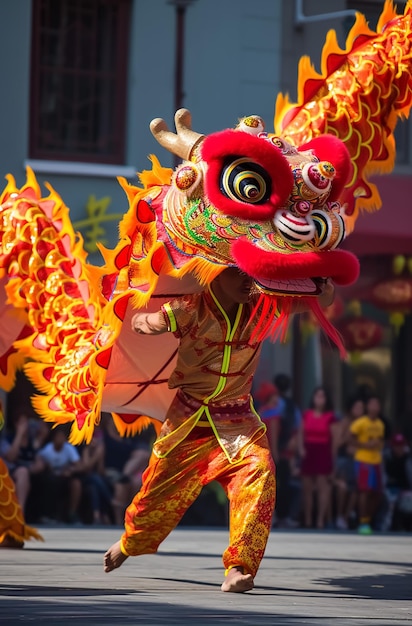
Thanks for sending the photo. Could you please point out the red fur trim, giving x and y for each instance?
(217, 148)
(330, 148)
(340, 265)
(263, 315)
(273, 327)
(271, 318)
(325, 324)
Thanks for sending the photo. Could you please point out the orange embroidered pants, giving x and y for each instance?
(171, 484)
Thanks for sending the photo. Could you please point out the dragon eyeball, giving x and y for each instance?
(330, 229)
(245, 181)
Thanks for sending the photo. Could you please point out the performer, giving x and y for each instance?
(13, 529)
(211, 431)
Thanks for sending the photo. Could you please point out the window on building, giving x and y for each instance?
(79, 80)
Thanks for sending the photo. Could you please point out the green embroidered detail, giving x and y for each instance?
(198, 222)
(209, 227)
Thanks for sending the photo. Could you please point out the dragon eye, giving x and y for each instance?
(246, 181)
(246, 176)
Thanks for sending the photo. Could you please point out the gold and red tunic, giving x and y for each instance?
(214, 372)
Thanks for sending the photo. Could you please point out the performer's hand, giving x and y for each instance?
(327, 296)
(149, 323)
(139, 323)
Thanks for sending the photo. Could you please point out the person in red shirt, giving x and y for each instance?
(317, 448)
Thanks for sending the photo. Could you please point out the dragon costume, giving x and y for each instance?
(276, 205)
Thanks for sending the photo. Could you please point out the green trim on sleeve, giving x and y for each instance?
(172, 325)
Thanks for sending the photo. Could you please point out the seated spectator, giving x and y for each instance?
(136, 465)
(19, 449)
(125, 460)
(62, 486)
(398, 489)
(95, 485)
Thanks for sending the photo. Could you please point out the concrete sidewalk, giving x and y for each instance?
(306, 578)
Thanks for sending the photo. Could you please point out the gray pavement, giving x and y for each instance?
(306, 578)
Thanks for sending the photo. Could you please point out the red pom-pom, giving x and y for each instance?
(330, 148)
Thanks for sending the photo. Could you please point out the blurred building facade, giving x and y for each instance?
(83, 78)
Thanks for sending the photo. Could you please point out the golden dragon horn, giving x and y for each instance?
(184, 142)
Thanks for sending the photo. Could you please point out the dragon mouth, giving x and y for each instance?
(298, 287)
(295, 274)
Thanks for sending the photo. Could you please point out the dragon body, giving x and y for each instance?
(275, 205)
(359, 96)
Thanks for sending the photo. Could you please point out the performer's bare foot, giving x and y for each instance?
(113, 558)
(237, 582)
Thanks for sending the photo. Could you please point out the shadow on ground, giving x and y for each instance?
(91, 606)
(379, 587)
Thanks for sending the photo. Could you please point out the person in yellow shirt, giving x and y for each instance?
(367, 435)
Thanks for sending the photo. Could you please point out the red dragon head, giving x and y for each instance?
(248, 198)
(241, 197)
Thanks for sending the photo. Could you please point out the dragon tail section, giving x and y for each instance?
(60, 317)
(12, 524)
(46, 281)
(359, 96)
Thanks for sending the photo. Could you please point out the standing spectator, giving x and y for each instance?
(61, 464)
(398, 471)
(271, 408)
(287, 469)
(125, 460)
(345, 478)
(367, 391)
(137, 463)
(318, 438)
(367, 439)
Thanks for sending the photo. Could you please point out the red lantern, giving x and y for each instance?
(360, 333)
(393, 294)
